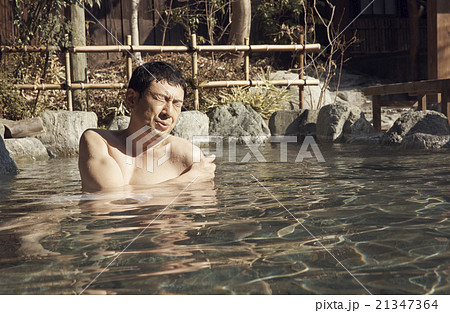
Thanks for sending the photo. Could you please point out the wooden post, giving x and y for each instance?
(422, 102)
(438, 24)
(247, 59)
(129, 59)
(376, 112)
(195, 71)
(445, 108)
(78, 61)
(301, 67)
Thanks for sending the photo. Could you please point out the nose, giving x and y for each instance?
(167, 110)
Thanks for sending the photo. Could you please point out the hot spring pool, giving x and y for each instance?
(379, 219)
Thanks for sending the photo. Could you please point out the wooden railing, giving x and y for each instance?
(419, 89)
(193, 49)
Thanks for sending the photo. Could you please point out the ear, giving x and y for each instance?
(131, 98)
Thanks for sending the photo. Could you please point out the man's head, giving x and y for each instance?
(155, 96)
(149, 72)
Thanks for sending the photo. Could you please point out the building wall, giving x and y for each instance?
(383, 38)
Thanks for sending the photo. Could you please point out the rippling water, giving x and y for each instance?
(366, 220)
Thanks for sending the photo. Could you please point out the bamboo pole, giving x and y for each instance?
(210, 84)
(68, 78)
(259, 48)
(9, 49)
(243, 83)
(129, 60)
(195, 71)
(129, 48)
(247, 60)
(201, 48)
(72, 86)
(301, 76)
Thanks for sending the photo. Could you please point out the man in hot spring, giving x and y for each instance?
(145, 153)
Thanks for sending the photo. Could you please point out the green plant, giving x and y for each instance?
(44, 24)
(210, 15)
(12, 104)
(280, 20)
(264, 99)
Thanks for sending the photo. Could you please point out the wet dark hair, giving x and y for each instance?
(146, 73)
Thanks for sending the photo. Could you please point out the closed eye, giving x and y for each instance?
(178, 103)
(160, 98)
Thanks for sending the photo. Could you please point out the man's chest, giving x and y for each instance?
(149, 167)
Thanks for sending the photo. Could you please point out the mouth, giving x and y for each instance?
(162, 125)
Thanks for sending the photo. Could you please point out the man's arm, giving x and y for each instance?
(98, 169)
(199, 170)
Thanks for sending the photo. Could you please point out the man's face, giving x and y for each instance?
(159, 106)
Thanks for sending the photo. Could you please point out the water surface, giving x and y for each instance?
(366, 220)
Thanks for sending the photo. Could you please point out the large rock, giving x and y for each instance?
(336, 120)
(64, 129)
(285, 122)
(7, 164)
(313, 99)
(26, 148)
(352, 96)
(426, 141)
(362, 132)
(191, 123)
(119, 123)
(238, 120)
(308, 122)
(424, 122)
(311, 93)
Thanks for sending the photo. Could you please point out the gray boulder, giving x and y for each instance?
(26, 148)
(424, 122)
(313, 99)
(191, 123)
(238, 120)
(426, 141)
(64, 129)
(336, 120)
(285, 122)
(119, 123)
(362, 132)
(308, 122)
(7, 164)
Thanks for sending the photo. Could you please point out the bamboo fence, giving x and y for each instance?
(193, 49)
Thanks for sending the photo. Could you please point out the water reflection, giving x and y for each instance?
(385, 218)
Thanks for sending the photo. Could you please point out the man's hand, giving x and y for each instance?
(204, 169)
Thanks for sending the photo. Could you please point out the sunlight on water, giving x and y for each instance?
(265, 228)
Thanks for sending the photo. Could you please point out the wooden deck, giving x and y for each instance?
(419, 89)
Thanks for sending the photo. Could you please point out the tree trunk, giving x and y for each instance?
(241, 17)
(134, 25)
(78, 60)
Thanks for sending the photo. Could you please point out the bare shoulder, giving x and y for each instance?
(98, 137)
(95, 142)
